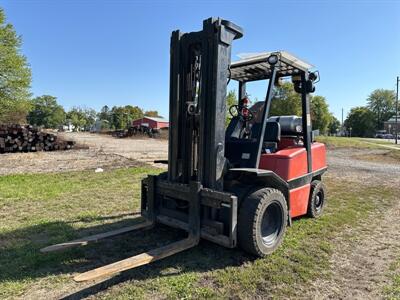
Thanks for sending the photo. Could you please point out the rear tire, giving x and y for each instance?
(262, 221)
(317, 201)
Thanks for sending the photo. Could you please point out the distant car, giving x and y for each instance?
(388, 136)
(379, 135)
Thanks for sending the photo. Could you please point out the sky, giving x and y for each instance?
(96, 53)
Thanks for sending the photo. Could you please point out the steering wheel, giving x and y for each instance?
(243, 112)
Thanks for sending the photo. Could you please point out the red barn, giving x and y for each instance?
(151, 122)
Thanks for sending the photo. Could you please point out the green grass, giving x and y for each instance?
(380, 141)
(38, 210)
(393, 291)
(353, 142)
(385, 155)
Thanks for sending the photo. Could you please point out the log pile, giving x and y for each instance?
(27, 138)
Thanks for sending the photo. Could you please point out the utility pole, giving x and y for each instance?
(342, 124)
(397, 109)
(342, 116)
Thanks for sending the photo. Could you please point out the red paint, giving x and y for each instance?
(151, 122)
(286, 142)
(299, 200)
(290, 163)
(318, 156)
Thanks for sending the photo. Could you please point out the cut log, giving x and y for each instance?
(22, 138)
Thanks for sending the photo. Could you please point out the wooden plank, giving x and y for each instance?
(94, 238)
(137, 260)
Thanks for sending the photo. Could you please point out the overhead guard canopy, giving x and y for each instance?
(256, 67)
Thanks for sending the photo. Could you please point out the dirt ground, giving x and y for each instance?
(103, 151)
(141, 149)
(362, 256)
(360, 262)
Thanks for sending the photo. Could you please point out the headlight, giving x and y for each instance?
(272, 59)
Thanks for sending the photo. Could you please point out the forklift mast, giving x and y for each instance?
(198, 81)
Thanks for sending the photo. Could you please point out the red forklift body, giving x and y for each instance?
(290, 163)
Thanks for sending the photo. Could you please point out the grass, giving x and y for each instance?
(380, 141)
(383, 155)
(393, 291)
(38, 210)
(353, 142)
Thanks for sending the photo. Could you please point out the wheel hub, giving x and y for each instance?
(319, 200)
(272, 223)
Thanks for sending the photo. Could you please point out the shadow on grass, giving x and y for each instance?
(20, 257)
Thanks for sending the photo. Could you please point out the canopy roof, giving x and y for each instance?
(256, 67)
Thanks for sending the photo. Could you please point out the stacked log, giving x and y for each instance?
(27, 138)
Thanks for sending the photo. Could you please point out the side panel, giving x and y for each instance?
(288, 163)
(291, 162)
(299, 200)
(319, 156)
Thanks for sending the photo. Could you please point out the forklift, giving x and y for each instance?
(239, 185)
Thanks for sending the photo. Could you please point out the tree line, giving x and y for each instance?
(48, 113)
(365, 121)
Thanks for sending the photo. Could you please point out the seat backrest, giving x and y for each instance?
(272, 132)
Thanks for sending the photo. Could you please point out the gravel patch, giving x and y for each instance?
(362, 256)
(348, 164)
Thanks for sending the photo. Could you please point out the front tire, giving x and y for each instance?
(262, 221)
(317, 201)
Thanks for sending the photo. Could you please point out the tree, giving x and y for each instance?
(46, 112)
(231, 99)
(15, 76)
(361, 121)
(121, 116)
(151, 113)
(134, 112)
(320, 115)
(334, 125)
(105, 113)
(286, 101)
(383, 105)
(90, 116)
(77, 118)
(82, 117)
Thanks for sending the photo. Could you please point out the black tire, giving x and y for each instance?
(317, 201)
(262, 221)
